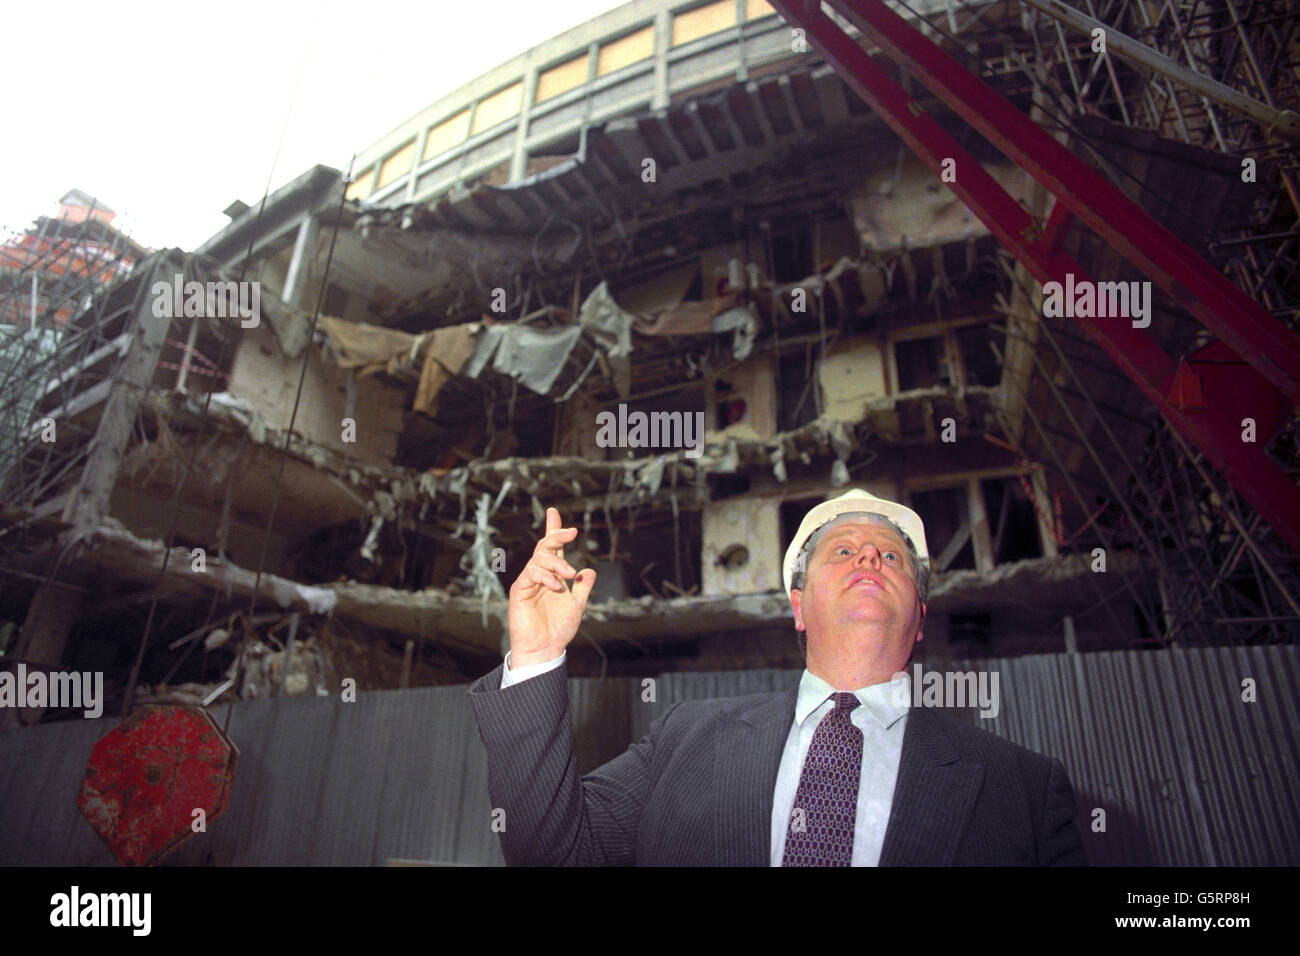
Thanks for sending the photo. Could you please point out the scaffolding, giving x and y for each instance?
(61, 333)
(1225, 76)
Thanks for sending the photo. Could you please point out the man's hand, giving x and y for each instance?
(543, 614)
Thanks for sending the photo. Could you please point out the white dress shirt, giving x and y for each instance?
(882, 718)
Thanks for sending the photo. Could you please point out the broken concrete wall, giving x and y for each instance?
(268, 381)
(906, 207)
(741, 546)
(852, 374)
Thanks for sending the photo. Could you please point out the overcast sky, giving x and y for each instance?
(166, 112)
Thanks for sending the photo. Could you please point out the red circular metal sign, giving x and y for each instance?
(148, 775)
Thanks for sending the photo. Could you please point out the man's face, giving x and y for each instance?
(859, 595)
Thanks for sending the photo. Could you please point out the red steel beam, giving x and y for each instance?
(1233, 317)
(1210, 429)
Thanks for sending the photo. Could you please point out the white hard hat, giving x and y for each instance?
(854, 500)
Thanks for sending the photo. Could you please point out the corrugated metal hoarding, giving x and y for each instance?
(1192, 755)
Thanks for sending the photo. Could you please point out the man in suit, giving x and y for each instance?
(836, 771)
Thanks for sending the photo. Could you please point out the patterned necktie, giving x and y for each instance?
(826, 803)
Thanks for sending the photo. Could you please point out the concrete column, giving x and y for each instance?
(519, 159)
(304, 250)
(1043, 511)
(420, 139)
(663, 39)
(979, 526)
(742, 70)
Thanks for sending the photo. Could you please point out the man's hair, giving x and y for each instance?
(921, 569)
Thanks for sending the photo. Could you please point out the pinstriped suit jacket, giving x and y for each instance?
(698, 789)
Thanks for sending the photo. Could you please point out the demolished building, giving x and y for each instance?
(527, 295)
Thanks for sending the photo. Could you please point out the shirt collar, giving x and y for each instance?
(886, 702)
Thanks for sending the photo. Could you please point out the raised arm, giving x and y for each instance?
(552, 817)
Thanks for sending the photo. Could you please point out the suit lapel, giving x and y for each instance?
(749, 748)
(933, 797)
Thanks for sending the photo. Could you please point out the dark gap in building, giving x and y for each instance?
(644, 564)
(334, 552)
(658, 143)
(727, 486)
(792, 256)
(421, 556)
(977, 356)
(421, 443)
(946, 516)
(742, 111)
(921, 363)
(794, 385)
(810, 107)
(611, 156)
(533, 428)
(695, 290)
(1013, 523)
(685, 132)
(792, 515)
(774, 105)
(715, 124)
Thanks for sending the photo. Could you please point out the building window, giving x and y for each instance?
(703, 21)
(360, 187)
(625, 51)
(445, 135)
(561, 79)
(396, 165)
(498, 107)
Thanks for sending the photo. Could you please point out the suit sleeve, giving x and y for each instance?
(552, 817)
(1060, 843)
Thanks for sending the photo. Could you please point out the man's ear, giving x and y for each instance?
(920, 622)
(796, 602)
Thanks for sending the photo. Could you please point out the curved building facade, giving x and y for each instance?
(517, 118)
